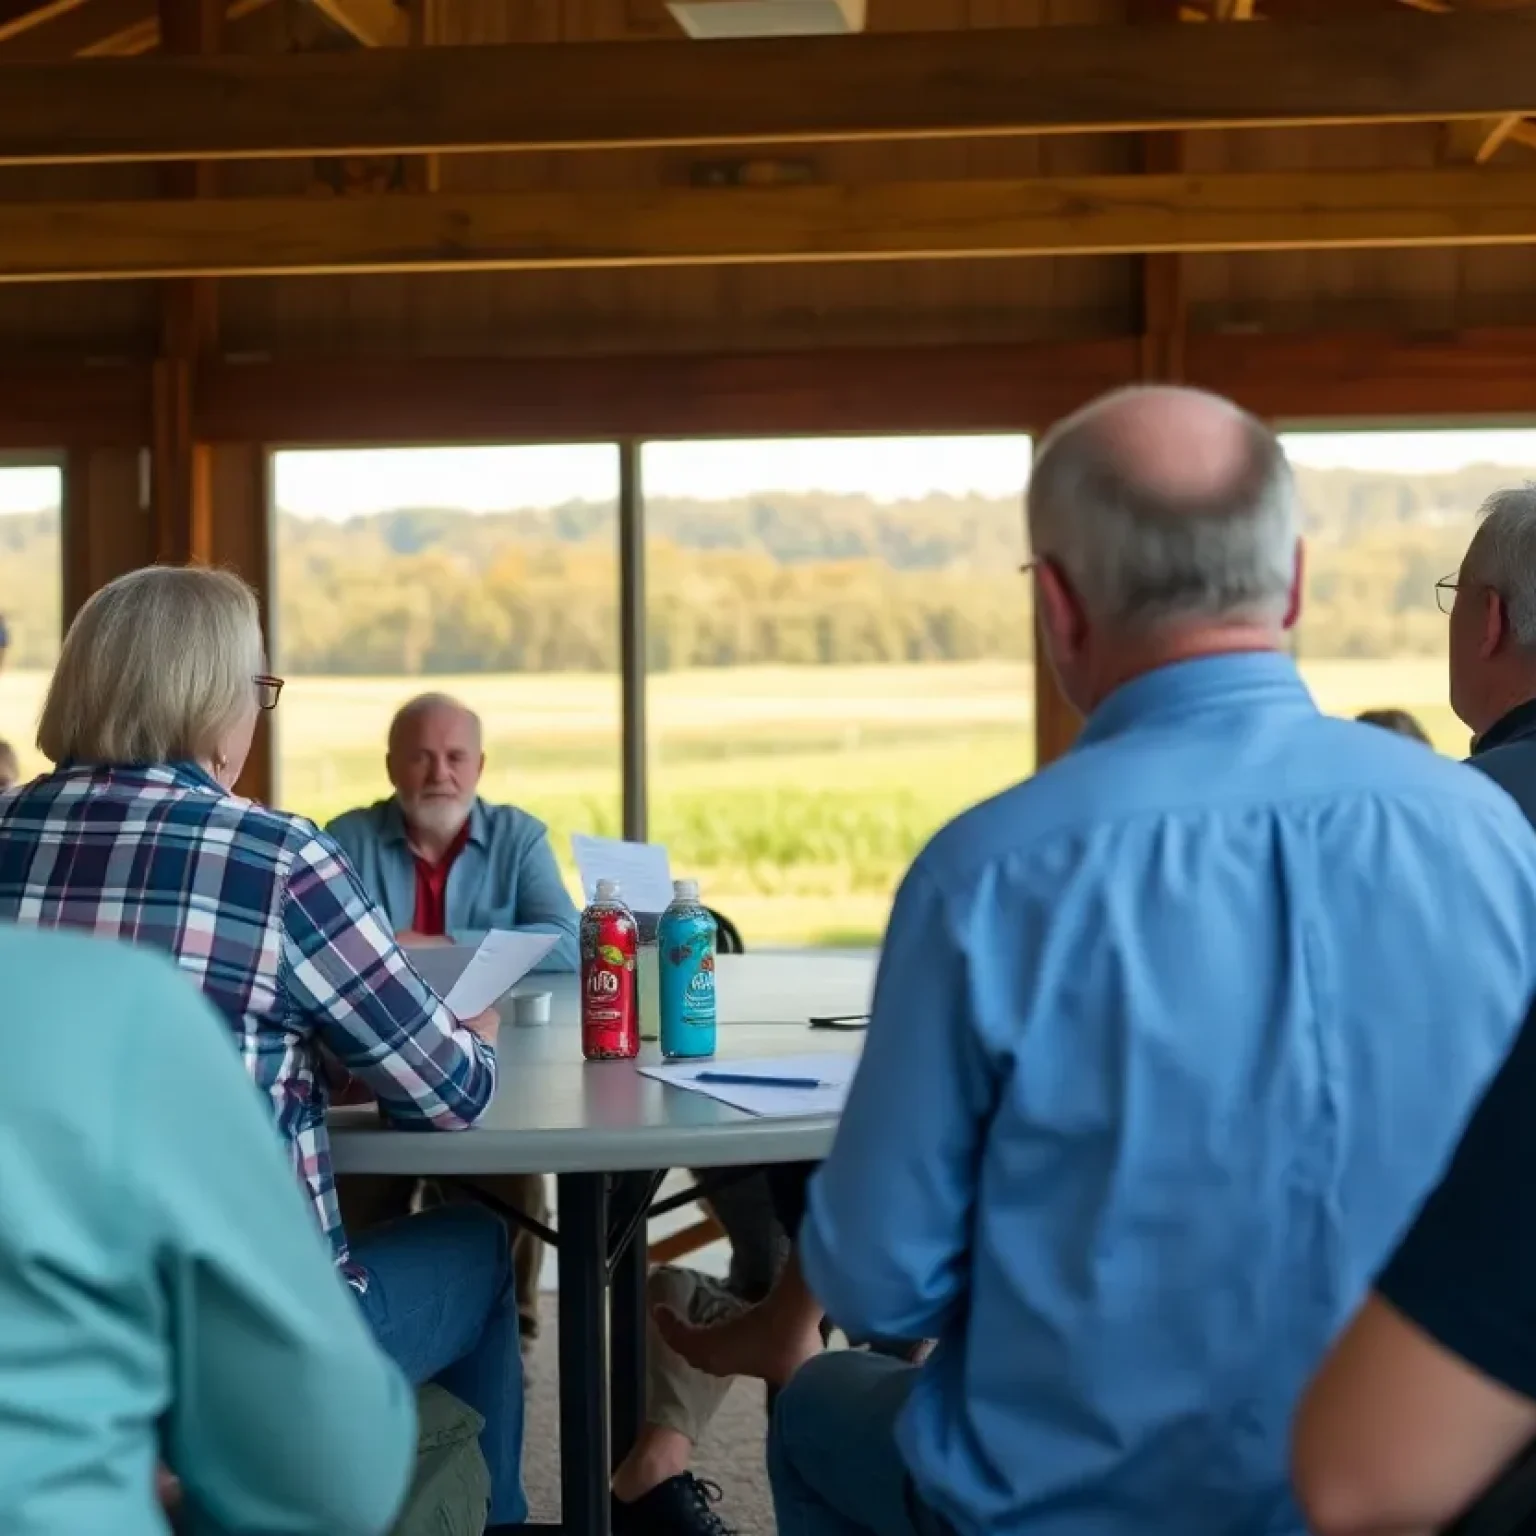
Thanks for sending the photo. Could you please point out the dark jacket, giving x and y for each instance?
(1506, 752)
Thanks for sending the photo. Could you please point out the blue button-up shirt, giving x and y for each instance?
(504, 877)
(1167, 1043)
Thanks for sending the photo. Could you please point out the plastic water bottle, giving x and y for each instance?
(610, 1023)
(686, 939)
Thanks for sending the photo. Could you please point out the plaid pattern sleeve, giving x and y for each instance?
(342, 968)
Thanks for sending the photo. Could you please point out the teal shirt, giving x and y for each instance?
(165, 1294)
(505, 876)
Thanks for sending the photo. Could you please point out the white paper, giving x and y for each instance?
(501, 961)
(643, 870)
(833, 1072)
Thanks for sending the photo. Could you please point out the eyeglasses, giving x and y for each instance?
(1445, 593)
(268, 690)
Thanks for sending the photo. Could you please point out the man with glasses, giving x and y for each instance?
(1491, 601)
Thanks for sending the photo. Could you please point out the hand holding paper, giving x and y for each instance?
(501, 961)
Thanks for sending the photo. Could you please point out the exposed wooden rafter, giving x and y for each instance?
(18, 19)
(685, 226)
(1393, 67)
(1474, 141)
(374, 23)
(92, 29)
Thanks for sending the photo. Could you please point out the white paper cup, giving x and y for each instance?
(530, 1009)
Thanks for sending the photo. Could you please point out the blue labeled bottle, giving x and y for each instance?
(686, 939)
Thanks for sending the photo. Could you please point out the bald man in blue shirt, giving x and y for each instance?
(1167, 1043)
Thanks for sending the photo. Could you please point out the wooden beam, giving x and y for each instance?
(374, 23)
(1475, 140)
(1394, 67)
(74, 30)
(49, 404)
(552, 399)
(1470, 375)
(686, 226)
(15, 20)
(94, 29)
(1473, 375)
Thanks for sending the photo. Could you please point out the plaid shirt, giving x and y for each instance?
(263, 911)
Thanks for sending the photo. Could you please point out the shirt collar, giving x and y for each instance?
(1237, 678)
(394, 830)
(186, 775)
(1517, 725)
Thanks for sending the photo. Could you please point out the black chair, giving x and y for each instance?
(728, 940)
(1508, 1507)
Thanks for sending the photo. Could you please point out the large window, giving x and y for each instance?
(1387, 515)
(31, 580)
(839, 643)
(488, 573)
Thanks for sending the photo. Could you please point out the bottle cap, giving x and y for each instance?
(607, 890)
(685, 890)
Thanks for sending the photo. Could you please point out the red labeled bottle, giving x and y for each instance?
(610, 1016)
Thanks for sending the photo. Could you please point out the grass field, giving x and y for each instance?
(796, 795)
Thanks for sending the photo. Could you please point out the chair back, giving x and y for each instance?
(728, 940)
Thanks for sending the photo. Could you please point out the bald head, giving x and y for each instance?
(435, 761)
(1161, 504)
(432, 707)
(1183, 446)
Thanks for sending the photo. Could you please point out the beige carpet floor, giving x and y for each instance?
(731, 1454)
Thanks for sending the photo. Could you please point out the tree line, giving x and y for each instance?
(798, 580)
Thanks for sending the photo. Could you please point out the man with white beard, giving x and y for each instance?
(446, 866)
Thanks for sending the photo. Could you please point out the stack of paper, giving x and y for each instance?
(831, 1075)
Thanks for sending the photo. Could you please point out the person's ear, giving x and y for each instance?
(1496, 632)
(1060, 609)
(1298, 582)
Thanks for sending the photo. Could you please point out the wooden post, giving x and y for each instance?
(180, 472)
(1164, 333)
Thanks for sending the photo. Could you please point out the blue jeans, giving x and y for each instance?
(441, 1303)
(832, 1457)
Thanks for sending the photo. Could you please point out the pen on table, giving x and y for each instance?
(752, 1080)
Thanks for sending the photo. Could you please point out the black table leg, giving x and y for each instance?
(627, 1311)
(584, 1378)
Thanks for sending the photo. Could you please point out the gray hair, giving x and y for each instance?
(1138, 555)
(156, 667)
(1502, 555)
(422, 704)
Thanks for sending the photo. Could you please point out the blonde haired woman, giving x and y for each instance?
(136, 835)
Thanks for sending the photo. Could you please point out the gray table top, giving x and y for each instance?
(555, 1113)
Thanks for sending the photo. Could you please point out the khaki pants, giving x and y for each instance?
(676, 1395)
(367, 1200)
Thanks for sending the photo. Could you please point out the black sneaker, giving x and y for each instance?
(682, 1506)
